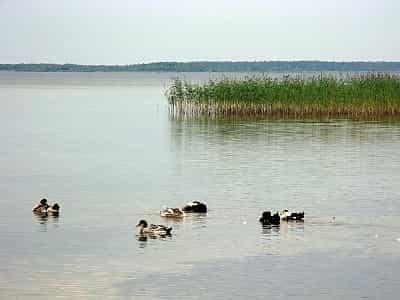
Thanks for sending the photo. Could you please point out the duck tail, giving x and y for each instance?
(168, 230)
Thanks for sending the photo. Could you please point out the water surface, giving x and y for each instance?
(105, 148)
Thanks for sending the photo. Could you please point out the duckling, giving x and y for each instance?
(268, 219)
(196, 207)
(54, 209)
(160, 230)
(172, 212)
(285, 215)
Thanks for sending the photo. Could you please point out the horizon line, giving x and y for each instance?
(208, 61)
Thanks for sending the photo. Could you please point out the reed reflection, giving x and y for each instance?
(259, 130)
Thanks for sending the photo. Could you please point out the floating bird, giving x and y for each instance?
(41, 207)
(196, 207)
(54, 209)
(268, 219)
(285, 215)
(172, 212)
(159, 230)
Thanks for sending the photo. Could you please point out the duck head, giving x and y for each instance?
(266, 215)
(142, 224)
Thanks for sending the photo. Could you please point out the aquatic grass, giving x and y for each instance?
(349, 96)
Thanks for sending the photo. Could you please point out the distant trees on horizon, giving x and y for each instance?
(213, 66)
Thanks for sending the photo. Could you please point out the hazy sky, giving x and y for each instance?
(135, 31)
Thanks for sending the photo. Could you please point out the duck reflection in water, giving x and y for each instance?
(284, 229)
(143, 238)
(269, 229)
(146, 237)
(43, 219)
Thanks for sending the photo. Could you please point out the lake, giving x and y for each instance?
(104, 146)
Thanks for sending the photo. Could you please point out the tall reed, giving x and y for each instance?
(350, 96)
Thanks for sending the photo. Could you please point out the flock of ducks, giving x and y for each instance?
(43, 208)
(267, 218)
(192, 207)
(168, 212)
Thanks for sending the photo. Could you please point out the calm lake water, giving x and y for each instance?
(106, 149)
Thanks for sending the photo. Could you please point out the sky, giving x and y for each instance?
(142, 31)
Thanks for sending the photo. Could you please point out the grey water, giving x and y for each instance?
(104, 147)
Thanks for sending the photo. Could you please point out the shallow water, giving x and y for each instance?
(105, 148)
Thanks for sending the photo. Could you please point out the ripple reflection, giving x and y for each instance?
(43, 220)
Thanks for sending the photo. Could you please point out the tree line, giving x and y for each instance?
(214, 66)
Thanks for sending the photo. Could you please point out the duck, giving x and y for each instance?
(285, 215)
(159, 230)
(54, 209)
(172, 212)
(41, 207)
(196, 207)
(270, 219)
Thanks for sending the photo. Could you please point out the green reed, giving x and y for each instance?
(352, 96)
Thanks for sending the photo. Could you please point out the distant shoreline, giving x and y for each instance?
(215, 66)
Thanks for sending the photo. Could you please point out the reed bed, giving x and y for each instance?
(367, 95)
